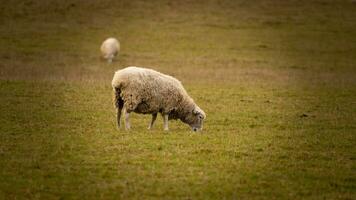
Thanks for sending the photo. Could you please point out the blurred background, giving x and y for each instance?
(276, 78)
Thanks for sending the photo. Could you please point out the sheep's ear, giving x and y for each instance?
(199, 111)
(196, 111)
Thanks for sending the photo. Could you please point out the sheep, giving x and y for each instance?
(110, 48)
(146, 91)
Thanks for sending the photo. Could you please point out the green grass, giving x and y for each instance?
(276, 79)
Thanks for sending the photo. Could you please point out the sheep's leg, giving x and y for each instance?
(119, 104)
(118, 116)
(165, 121)
(154, 116)
(127, 121)
(110, 58)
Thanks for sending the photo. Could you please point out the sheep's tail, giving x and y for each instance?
(117, 85)
(118, 103)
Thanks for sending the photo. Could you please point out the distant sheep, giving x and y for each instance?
(147, 91)
(110, 48)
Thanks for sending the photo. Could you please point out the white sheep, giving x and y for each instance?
(147, 91)
(110, 48)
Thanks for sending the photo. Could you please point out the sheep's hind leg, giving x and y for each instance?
(118, 116)
(154, 116)
(165, 121)
(127, 121)
(110, 58)
(119, 104)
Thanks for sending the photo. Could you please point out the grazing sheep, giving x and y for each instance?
(147, 91)
(110, 48)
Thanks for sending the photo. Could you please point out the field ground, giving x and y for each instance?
(277, 80)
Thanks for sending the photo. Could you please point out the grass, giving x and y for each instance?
(276, 79)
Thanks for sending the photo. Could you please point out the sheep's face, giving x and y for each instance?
(196, 118)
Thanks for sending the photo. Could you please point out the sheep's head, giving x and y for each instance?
(195, 119)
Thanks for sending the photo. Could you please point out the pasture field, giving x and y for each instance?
(277, 80)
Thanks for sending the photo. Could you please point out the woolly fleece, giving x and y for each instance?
(110, 48)
(147, 91)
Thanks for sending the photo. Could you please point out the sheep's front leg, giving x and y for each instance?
(165, 121)
(154, 116)
(127, 121)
